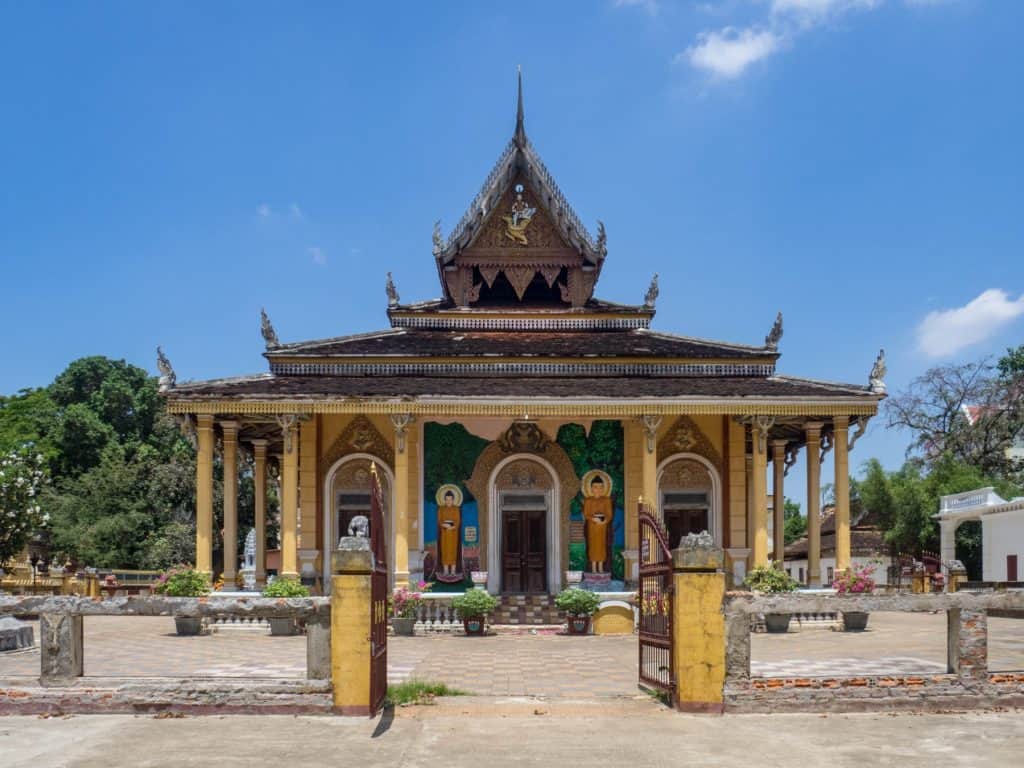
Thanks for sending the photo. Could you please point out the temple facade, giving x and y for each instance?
(517, 421)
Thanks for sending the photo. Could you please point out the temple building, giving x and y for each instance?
(518, 420)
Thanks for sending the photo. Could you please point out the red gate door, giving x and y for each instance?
(656, 602)
(378, 598)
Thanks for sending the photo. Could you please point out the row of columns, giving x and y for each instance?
(204, 497)
(757, 497)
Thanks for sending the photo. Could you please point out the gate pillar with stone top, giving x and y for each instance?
(698, 643)
(61, 654)
(351, 626)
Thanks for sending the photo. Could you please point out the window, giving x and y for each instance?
(831, 574)
(801, 574)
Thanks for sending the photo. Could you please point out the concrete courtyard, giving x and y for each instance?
(459, 733)
(520, 665)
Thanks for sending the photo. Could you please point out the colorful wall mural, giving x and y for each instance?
(450, 454)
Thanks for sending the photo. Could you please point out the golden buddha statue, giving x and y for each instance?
(597, 514)
(449, 523)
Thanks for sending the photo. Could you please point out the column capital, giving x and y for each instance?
(840, 423)
(230, 429)
(204, 421)
(779, 448)
(259, 447)
(812, 429)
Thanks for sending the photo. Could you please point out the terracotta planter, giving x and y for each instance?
(187, 625)
(777, 622)
(855, 621)
(404, 626)
(282, 627)
(578, 625)
(474, 627)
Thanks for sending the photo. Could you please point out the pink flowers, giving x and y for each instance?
(856, 581)
(405, 603)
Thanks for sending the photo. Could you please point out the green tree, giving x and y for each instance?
(795, 523)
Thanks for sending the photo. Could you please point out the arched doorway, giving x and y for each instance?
(346, 494)
(689, 491)
(524, 521)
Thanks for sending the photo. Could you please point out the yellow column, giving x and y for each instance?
(289, 497)
(309, 530)
(778, 500)
(748, 495)
(650, 463)
(401, 422)
(737, 485)
(229, 430)
(351, 629)
(698, 645)
(813, 432)
(204, 495)
(259, 484)
(634, 457)
(840, 438)
(759, 490)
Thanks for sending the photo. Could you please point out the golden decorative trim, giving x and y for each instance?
(519, 408)
(686, 436)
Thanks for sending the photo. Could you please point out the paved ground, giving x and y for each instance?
(460, 734)
(548, 665)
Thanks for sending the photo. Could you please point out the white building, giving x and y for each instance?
(867, 547)
(1002, 530)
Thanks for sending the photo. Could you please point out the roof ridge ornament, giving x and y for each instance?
(438, 239)
(267, 329)
(168, 379)
(651, 296)
(876, 379)
(520, 135)
(391, 291)
(775, 334)
(602, 240)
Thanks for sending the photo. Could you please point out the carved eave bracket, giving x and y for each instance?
(651, 423)
(826, 446)
(862, 427)
(401, 422)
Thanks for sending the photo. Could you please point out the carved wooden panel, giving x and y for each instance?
(523, 475)
(686, 474)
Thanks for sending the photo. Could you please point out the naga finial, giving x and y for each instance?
(438, 239)
(167, 377)
(267, 329)
(602, 240)
(652, 293)
(775, 334)
(876, 379)
(391, 291)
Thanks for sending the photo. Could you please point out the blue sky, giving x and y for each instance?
(169, 168)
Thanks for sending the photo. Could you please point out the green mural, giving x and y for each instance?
(450, 454)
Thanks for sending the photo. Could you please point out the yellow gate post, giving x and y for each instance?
(351, 568)
(698, 631)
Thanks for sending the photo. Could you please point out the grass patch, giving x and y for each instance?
(419, 692)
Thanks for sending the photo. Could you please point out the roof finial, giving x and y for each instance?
(771, 341)
(267, 329)
(520, 135)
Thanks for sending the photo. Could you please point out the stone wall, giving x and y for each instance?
(967, 684)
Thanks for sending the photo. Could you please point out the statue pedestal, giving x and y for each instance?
(596, 581)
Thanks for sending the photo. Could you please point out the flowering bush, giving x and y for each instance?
(578, 602)
(770, 579)
(182, 581)
(856, 580)
(21, 479)
(405, 603)
(286, 588)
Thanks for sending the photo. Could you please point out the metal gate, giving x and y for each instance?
(656, 602)
(378, 597)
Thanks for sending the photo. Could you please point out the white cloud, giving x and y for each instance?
(263, 211)
(651, 6)
(319, 257)
(296, 211)
(728, 53)
(945, 332)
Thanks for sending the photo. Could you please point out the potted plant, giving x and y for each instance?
(579, 605)
(284, 588)
(770, 580)
(184, 581)
(856, 580)
(473, 606)
(405, 605)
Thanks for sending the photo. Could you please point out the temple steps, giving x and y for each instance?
(527, 610)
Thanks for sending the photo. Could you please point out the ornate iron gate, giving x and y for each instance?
(656, 603)
(378, 597)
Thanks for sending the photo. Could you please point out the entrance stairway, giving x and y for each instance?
(529, 610)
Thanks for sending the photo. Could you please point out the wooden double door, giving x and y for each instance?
(524, 551)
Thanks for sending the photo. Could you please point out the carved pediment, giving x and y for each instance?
(359, 436)
(518, 227)
(523, 437)
(686, 437)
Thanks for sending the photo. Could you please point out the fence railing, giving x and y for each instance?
(61, 640)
